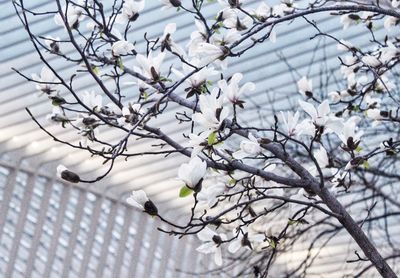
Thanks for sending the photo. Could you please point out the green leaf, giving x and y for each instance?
(212, 138)
(358, 149)
(96, 70)
(203, 89)
(185, 191)
(354, 17)
(162, 78)
(272, 243)
(232, 182)
(292, 222)
(366, 164)
(297, 222)
(57, 101)
(120, 64)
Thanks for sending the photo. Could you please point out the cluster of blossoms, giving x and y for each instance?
(250, 184)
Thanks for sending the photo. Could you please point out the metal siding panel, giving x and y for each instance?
(57, 229)
(39, 226)
(20, 223)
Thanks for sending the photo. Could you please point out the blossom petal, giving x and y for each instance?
(309, 109)
(235, 245)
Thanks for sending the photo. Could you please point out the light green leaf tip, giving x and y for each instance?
(96, 70)
(212, 138)
(185, 191)
(120, 64)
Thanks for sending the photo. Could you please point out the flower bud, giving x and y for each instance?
(150, 208)
(217, 239)
(65, 174)
(89, 121)
(55, 47)
(176, 3)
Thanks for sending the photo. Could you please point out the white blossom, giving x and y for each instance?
(198, 78)
(344, 45)
(191, 173)
(283, 9)
(291, 123)
(232, 91)
(73, 15)
(233, 21)
(46, 82)
(167, 4)
(304, 86)
(140, 200)
(57, 116)
(137, 199)
(371, 61)
(338, 95)
(92, 100)
(212, 112)
(232, 4)
(390, 22)
(351, 63)
(198, 142)
(91, 26)
(169, 29)
(130, 115)
(388, 53)
(210, 192)
(322, 157)
(150, 65)
(130, 11)
(320, 117)
(208, 53)
(226, 12)
(168, 43)
(197, 37)
(375, 114)
(372, 102)
(122, 48)
(228, 37)
(211, 244)
(384, 84)
(350, 130)
(348, 19)
(248, 147)
(244, 239)
(262, 12)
